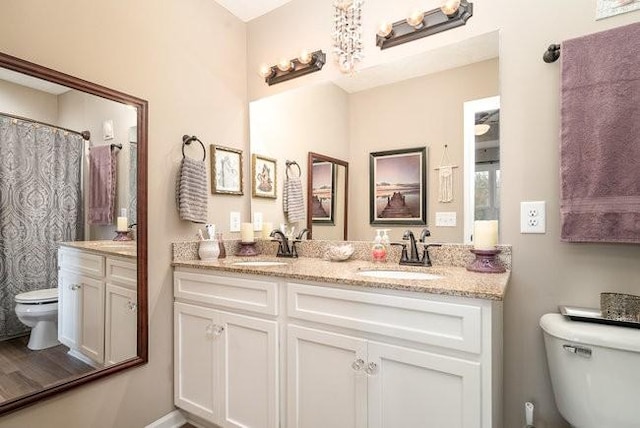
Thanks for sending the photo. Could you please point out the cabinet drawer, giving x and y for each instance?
(122, 272)
(260, 296)
(81, 262)
(449, 325)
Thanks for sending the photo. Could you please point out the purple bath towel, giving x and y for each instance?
(600, 147)
(102, 185)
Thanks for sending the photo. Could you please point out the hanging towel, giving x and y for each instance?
(293, 200)
(600, 141)
(191, 190)
(445, 190)
(102, 185)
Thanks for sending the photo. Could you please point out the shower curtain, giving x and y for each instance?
(40, 205)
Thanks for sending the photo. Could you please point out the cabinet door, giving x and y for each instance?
(121, 324)
(249, 372)
(327, 386)
(91, 340)
(68, 309)
(410, 388)
(195, 345)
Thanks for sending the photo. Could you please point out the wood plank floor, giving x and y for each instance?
(23, 371)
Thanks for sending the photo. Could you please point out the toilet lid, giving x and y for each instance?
(38, 296)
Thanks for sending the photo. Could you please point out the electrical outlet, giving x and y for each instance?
(446, 219)
(257, 221)
(533, 217)
(234, 221)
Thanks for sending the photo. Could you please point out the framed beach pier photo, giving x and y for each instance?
(397, 187)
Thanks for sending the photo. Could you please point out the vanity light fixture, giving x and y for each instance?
(481, 128)
(307, 62)
(451, 14)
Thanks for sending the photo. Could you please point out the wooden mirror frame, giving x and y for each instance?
(316, 156)
(38, 71)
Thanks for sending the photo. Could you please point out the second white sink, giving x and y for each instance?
(258, 263)
(398, 274)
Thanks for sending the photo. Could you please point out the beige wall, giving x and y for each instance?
(187, 58)
(424, 111)
(81, 111)
(288, 126)
(27, 102)
(546, 272)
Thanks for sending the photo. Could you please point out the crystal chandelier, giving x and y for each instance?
(347, 34)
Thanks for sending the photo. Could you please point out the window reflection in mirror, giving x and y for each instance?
(71, 302)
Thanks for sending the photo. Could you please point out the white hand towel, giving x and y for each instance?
(293, 200)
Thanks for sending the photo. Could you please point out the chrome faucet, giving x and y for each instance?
(283, 245)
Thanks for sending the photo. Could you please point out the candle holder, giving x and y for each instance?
(247, 249)
(486, 261)
(122, 236)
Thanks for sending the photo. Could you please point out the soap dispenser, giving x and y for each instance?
(378, 250)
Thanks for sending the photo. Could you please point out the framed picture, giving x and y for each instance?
(264, 176)
(323, 192)
(397, 187)
(607, 8)
(226, 170)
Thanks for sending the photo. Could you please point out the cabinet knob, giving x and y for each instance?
(213, 331)
(74, 287)
(357, 365)
(371, 369)
(132, 306)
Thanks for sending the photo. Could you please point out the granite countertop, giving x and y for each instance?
(127, 249)
(455, 281)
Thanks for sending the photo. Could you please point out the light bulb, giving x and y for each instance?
(416, 19)
(305, 57)
(265, 70)
(284, 65)
(450, 7)
(482, 128)
(385, 29)
(343, 4)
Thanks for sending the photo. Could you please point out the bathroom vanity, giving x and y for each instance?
(97, 300)
(311, 343)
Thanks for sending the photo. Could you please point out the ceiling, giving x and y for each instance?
(32, 82)
(247, 10)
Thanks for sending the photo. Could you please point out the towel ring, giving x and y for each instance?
(186, 140)
(289, 165)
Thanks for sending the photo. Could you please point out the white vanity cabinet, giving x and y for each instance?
(349, 356)
(90, 315)
(226, 363)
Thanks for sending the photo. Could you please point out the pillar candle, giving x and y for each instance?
(485, 235)
(122, 225)
(246, 232)
(267, 228)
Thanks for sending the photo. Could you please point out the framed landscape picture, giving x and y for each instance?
(607, 8)
(264, 176)
(397, 187)
(226, 170)
(324, 190)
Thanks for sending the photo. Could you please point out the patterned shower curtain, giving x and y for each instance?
(40, 205)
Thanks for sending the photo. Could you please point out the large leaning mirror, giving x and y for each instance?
(410, 103)
(327, 204)
(73, 232)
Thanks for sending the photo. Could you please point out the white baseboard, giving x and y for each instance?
(80, 356)
(174, 419)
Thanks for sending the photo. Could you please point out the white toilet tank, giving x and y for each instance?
(595, 372)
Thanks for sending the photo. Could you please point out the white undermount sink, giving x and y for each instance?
(398, 274)
(258, 263)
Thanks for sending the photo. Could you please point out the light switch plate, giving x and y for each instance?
(446, 219)
(234, 221)
(257, 221)
(533, 217)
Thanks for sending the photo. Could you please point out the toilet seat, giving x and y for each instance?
(38, 297)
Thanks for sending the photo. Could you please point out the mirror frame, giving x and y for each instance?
(317, 156)
(38, 71)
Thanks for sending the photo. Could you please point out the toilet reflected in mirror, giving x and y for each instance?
(38, 310)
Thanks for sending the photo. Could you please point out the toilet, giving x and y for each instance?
(39, 310)
(594, 371)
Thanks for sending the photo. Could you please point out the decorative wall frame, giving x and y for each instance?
(264, 177)
(323, 193)
(226, 170)
(398, 187)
